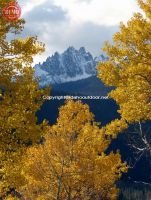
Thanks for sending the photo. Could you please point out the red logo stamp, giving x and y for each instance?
(11, 12)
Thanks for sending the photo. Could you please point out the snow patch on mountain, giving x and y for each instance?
(71, 65)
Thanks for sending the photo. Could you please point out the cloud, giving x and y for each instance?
(63, 23)
(102, 12)
(58, 38)
(46, 13)
(29, 5)
(86, 1)
(91, 36)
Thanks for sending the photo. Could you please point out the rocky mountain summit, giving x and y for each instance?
(71, 65)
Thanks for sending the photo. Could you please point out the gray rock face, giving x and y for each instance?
(71, 65)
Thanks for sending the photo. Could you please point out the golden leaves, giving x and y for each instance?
(72, 162)
(129, 67)
(115, 127)
(20, 100)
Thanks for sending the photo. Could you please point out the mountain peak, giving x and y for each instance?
(71, 65)
(70, 49)
(82, 50)
(56, 54)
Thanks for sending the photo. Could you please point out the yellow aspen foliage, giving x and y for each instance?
(20, 98)
(114, 127)
(72, 163)
(129, 66)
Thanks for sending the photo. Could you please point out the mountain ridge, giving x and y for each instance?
(71, 65)
(88, 86)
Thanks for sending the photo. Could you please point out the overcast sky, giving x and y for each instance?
(63, 23)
